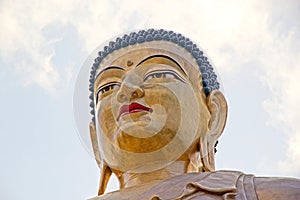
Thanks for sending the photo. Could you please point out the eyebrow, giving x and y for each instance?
(154, 56)
(107, 68)
(162, 56)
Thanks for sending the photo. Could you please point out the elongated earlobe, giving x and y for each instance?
(105, 171)
(195, 164)
(217, 106)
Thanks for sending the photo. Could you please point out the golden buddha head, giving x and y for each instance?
(155, 100)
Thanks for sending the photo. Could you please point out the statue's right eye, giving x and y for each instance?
(106, 89)
(163, 74)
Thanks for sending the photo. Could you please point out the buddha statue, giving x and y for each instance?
(157, 114)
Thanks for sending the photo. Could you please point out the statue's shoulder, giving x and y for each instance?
(217, 185)
(277, 188)
(213, 185)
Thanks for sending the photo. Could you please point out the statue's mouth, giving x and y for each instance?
(132, 108)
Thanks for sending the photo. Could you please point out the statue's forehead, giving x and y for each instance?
(135, 54)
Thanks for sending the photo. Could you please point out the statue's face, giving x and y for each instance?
(148, 103)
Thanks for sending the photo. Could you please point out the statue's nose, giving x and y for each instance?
(131, 88)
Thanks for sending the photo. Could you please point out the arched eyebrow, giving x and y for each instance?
(107, 68)
(162, 56)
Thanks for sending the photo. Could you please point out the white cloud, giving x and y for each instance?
(283, 79)
(25, 48)
(232, 32)
(279, 54)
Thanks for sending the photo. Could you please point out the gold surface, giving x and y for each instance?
(143, 146)
(165, 150)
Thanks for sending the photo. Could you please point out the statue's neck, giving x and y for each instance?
(137, 179)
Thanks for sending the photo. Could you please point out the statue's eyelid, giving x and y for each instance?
(105, 85)
(177, 76)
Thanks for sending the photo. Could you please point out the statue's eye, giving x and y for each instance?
(162, 74)
(106, 88)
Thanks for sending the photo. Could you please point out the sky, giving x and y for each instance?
(254, 45)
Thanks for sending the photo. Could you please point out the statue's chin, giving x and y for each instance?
(136, 130)
(140, 125)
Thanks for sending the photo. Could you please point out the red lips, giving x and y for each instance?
(132, 108)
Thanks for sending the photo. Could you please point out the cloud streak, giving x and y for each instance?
(25, 48)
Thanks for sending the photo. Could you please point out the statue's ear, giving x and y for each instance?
(217, 106)
(94, 140)
(105, 171)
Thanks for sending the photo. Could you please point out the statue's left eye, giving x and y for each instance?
(161, 75)
(105, 89)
